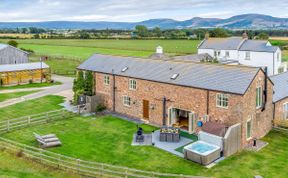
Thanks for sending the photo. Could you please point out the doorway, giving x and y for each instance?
(146, 109)
(182, 119)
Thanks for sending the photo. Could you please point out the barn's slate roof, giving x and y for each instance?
(24, 66)
(280, 86)
(237, 43)
(232, 79)
(2, 46)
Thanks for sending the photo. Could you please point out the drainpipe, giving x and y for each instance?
(207, 101)
(114, 90)
(265, 89)
(164, 111)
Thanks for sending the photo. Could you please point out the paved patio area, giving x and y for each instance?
(169, 146)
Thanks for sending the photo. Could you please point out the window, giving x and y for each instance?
(249, 129)
(124, 69)
(278, 57)
(227, 54)
(215, 53)
(247, 55)
(259, 98)
(106, 79)
(285, 111)
(132, 84)
(127, 101)
(222, 100)
(280, 70)
(174, 76)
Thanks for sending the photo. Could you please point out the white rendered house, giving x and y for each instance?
(237, 50)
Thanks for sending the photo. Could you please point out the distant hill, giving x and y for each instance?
(246, 21)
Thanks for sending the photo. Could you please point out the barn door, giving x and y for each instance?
(146, 109)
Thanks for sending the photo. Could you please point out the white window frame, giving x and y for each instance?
(285, 111)
(259, 97)
(132, 84)
(106, 79)
(247, 55)
(227, 54)
(127, 100)
(278, 56)
(222, 100)
(251, 126)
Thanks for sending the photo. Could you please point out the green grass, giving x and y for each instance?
(7, 96)
(32, 85)
(30, 107)
(108, 139)
(12, 166)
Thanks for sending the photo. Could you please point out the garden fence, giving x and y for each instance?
(78, 166)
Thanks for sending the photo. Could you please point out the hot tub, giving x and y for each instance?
(202, 152)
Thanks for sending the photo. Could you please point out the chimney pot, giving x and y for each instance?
(245, 35)
(207, 35)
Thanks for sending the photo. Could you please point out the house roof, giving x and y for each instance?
(2, 46)
(257, 45)
(280, 86)
(231, 79)
(237, 43)
(221, 43)
(193, 57)
(24, 66)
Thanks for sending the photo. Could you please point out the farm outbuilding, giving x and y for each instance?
(16, 74)
(12, 55)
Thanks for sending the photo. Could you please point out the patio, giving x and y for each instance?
(170, 146)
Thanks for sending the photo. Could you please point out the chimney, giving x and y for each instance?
(206, 35)
(245, 35)
(159, 50)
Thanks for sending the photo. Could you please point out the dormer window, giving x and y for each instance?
(174, 76)
(124, 69)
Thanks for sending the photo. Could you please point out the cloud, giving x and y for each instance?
(133, 10)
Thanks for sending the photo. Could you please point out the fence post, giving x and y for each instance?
(126, 173)
(78, 165)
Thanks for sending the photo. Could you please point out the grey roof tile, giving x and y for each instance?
(232, 43)
(232, 79)
(2, 46)
(257, 45)
(280, 86)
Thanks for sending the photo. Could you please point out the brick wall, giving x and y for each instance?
(240, 108)
(279, 108)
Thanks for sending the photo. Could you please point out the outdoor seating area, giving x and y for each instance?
(169, 134)
(48, 141)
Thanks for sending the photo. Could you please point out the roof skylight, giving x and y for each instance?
(124, 69)
(174, 76)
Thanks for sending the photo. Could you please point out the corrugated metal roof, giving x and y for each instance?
(221, 43)
(2, 46)
(24, 66)
(280, 86)
(257, 45)
(237, 43)
(230, 79)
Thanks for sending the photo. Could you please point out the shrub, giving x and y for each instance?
(30, 81)
(19, 153)
(27, 50)
(13, 43)
(100, 108)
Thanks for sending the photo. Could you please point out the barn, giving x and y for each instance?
(12, 55)
(17, 74)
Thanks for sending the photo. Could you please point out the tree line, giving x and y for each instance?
(141, 32)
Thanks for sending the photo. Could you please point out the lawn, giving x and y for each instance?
(12, 166)
(32, 85)
(108, 139)
(7, 96)
(44, 104)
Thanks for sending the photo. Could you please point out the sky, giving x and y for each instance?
(133, 10)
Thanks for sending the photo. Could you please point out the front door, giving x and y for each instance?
(146, 109)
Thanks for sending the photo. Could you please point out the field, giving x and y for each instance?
(108, 139)
(7, 96)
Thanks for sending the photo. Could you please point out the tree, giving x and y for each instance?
(13, 43)
(88, 83)
(142, 31)
(157, 32)
(263, 36)
(219, 32)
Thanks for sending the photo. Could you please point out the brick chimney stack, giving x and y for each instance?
(206, 35)
(245, 35)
